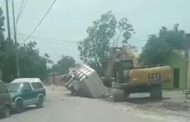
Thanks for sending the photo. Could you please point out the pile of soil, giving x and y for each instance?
(183, 106)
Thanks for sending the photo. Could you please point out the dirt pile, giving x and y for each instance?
(182, 106)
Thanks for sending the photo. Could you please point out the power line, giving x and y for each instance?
(21, 9)
(49, 39)
(36, 27)
(60, 41)
(57, 43)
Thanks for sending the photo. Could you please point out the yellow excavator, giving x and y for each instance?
(128, 77)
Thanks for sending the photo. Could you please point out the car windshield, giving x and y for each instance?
(14, 87)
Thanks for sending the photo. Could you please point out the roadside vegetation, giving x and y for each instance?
(159, 45)
(32, 64)
(104, 33)
(107, 32)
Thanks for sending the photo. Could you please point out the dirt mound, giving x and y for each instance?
(183, 106)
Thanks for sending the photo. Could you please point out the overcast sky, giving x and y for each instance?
(68, 20)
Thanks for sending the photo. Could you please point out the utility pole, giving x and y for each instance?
(16, 44)
(8, 22)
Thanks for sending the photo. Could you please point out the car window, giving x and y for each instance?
(14, 87)
(26, 87)
(3, 88)
(37, 85)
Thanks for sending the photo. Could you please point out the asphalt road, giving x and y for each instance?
(61, 107)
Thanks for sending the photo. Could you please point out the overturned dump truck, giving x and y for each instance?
(84, 81)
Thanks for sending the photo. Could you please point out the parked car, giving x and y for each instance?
(5, 100)
(25, 92)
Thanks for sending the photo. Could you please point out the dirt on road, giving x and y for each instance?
(173, 103)
(60, 106)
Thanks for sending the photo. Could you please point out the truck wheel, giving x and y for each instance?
(6, 111)
(19, 106)
(156, 92)
(40, 102)
(118, 95)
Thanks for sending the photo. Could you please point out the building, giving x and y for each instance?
(180, 63)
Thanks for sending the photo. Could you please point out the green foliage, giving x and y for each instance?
(1, 25)
(31, 63)
(155, 51)
(125, 29)
(2, 39)
(158, 47)
(9, 67)
(94, 49)
(63, 65)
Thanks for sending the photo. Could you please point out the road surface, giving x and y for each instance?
(61, 107)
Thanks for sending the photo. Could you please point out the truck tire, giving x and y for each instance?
(118, 95)
(156, 91)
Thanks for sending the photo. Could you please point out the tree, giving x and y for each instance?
(158, 47)
(1, 29)
(155, 51)
(94, 49)
(63, 64)
(2, 39)
(31, 63)
(125, 29)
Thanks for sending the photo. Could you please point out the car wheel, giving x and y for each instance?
(40, 102)
(6, 111)
(19, 106)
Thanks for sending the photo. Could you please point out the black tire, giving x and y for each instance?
(40, 102)
(156, 91)
(6, 111)
(19, 106)
(118, 95)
